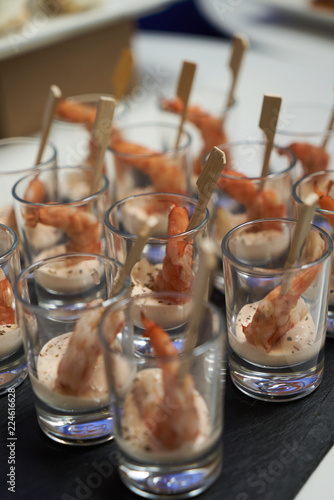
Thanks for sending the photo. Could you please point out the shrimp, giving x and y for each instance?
(313, 158)
(276, 313)
(76, 366)
(209, 126)
(7, 313)
(326, 202)
(82, 228)
(259, 204)
(178, 420)
(176, 273)
(166, 177)
(35, 192)
(76, 112)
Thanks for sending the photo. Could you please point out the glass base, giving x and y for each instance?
(84, 429)
(13, 371)
(276, 384)
(165, 481)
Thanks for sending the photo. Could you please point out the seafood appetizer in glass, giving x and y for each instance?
(13, 368)
(18, 157)
(168, 412)
(170, 257)
(59, 316)
(276, 316)
(57, 213)
(303, 128)
(320, 183)
(146, 159)
(242, 194)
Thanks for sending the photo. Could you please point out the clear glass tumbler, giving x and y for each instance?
(170, 257)
(60, 301)
(242, 194)
(57, 213)
(167, 399)
(13, 367)
(320, 183)
(146, 159)
(276, 317)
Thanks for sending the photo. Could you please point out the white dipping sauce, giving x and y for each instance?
(10, 339)
(166, 313)
(96, 394)
(137, 439)
(62, 278)
(259, 246)
(297, 345)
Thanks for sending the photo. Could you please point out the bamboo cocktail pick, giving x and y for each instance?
(206, 184)
(122, 74)
(301, 230)
(135, 252)
(329, 128)
(101, 135)
(268, 121)
(54, 96)
(183, 92)
(240, 44)
(208, 262)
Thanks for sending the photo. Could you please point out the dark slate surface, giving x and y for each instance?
(270, 449)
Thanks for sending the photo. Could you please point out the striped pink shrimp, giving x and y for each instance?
(7, 312)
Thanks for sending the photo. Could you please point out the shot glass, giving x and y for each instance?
(170, 257)
(242, 194)
(57, 213)
(17, 158)
(146, 159)
(167, 404)
(321, 184)
(276, 317)
(13, 367)
(303, 128)
(60, 301)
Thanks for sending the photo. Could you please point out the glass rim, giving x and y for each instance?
(12, 141)
(128, 236)
(274, 272)
(305, 179)
(24, 274)
(257, 142)
(186, 354)
(14, 245)
(79, 202)
(135, 125)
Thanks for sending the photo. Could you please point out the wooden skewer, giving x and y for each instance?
(268, 122)
(301, 230)
(329, 128)
(206, 184)
(135, 252)
(240, 44)
(54, 96)
(183, 92)
(101, 135)
(208, 262)
(122, 74)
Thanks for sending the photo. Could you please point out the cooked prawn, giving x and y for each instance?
(209, 126)
(176, 273)
(82, 228)
(326, 202)
(7, 313)
(35, 192)
(274, 315)
(76, 112)
(313, 158)
(259, 204)
(178, 420)
(166, 176)
(76, 366)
